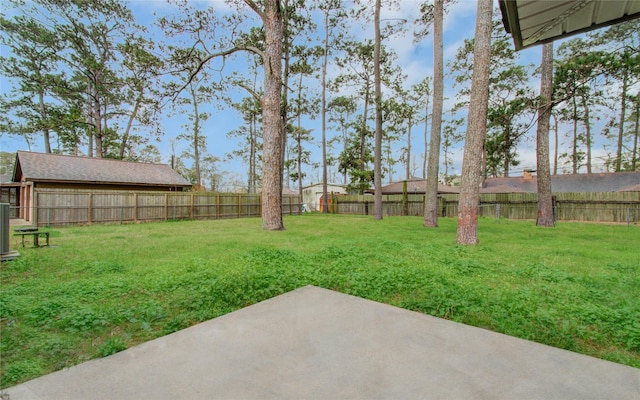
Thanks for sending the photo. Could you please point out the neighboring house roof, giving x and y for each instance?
(42, 167)
(319, 184)
(415, 185)
(5, 178)
(579, 183)
(535, 22)
(632, 188)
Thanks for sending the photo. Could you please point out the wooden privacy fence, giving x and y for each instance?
(596, 207)
(73, 207)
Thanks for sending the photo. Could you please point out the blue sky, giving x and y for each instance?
(415, 60)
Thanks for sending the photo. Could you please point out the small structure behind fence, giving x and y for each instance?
(594, 207)
(58, 207)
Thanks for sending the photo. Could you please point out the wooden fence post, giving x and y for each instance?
(135, 207)
(405, 199)
(34, 207)
(89, 207)
(166, 207)
(191, 212)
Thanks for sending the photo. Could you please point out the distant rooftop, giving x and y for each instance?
(590, 183)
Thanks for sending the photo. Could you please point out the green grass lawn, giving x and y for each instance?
(104, 288)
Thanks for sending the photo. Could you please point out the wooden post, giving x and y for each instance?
(405, 199)
(166, 206)
(89, 207)
(239, 205)
(191, 214)
(135, 207)
(217, 205)
(33, 204)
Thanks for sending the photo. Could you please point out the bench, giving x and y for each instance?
(32, 232)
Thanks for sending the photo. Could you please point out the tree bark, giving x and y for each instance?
(426, 139)
(408, 166)
(45, 129)
(284, 107)
(545, 203)
(299, 139)
(196, 133)
(469, 203)
(555, 145)
(431, 189)
(634, 153)
(324, 115)
(364, 130)
(377, 162)
(587, 134)
(88, 120)
(127, 131)
(273, 128)
(574, 154)
(625, 86)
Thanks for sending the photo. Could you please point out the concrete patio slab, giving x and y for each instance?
(314, 343)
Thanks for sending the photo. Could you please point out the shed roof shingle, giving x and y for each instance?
(42, 167)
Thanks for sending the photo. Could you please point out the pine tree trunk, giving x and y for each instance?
(634, 153)
(377, 162)
(324, 116)
(555, 145)
(545, 203)
(408, 166)
(426, 139)
(587, 134)
(284, 108)
(127, 131)
(196, 139)
(469, 203)
(273, 129)
(45, 129)
(431, 189)
(574, 154)
(625, 85)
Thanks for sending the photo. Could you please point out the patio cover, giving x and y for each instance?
(532, 22)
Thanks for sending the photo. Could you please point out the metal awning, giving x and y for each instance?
(533, 22)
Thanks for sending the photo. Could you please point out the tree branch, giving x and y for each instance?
(252, 4)
(211, 56)
(252, 92)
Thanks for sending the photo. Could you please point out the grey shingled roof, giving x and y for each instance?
(41, 167)
(590, 183)
(600, 182)
(415, 185)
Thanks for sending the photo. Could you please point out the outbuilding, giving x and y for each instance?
(35, 171)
